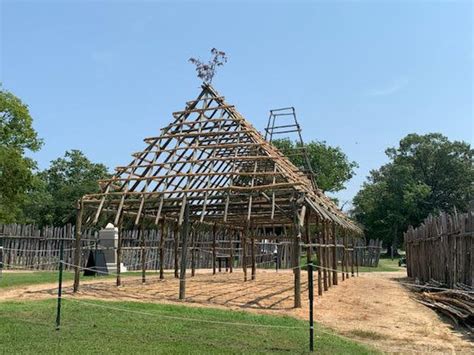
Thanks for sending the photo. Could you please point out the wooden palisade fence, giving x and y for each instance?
(30, 247)
(442, 249)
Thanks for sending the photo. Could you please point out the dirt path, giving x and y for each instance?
(373, 308)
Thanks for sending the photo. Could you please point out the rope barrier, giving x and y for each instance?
(161, 315)
(22, 267)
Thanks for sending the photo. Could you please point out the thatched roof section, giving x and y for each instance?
(212, 159)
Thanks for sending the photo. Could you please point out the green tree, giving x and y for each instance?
(331, 165)
(60, 186)
(426, 174)
(17, 136)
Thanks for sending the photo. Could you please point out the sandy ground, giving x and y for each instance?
(372, 308)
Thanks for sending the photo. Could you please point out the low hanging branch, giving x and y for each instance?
(206, 71)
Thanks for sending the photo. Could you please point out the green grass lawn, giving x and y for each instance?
(27, 327)
(13, 279)
(385, 264)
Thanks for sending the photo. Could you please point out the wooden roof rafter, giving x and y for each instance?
(213, 158)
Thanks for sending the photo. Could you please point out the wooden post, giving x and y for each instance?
(214, 252)
(296, 260)
(184, 251)
(231, 251)
(324, 257)
(334, 255)
(193, 251)
(143, 252)
(162, 252)
(309, 249)
(346, 254)
(119, 251)
(77, 245)
(244, 253)
(320, 285)
(352, 256)
(343, 260)
(176, 250)
(252, 253)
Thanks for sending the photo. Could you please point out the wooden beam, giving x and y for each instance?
(184, 228)
(77, 250)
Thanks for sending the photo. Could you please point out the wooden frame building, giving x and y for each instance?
(211, 166)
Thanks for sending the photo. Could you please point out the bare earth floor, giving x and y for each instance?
(373, 308)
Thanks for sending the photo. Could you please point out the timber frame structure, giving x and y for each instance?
(211, 166)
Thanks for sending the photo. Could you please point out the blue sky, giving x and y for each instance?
(101, 75)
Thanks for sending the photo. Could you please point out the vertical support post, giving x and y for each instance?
(143, 253)
(311, 308)
(214, 252)
(60, 284)
(320, 284)
(119, 252)
(231, 251)
(346, 254)
(325, 258)
(162, 252)
(309, 248)
(244, 253)
(193, 251)
(176, 250)
(77, 245)
(334, 255)
(252, 253)
(296, 257)
(352, 257)
(343, 259)
(184, 251)
(357, 260)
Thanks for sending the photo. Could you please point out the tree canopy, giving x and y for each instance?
(17, 135)
(426, 174)
(60, 186)
(331, 165)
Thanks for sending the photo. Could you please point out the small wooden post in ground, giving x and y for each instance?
(77, 245)
(162, 252)
(184, 251)
(343, 259)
